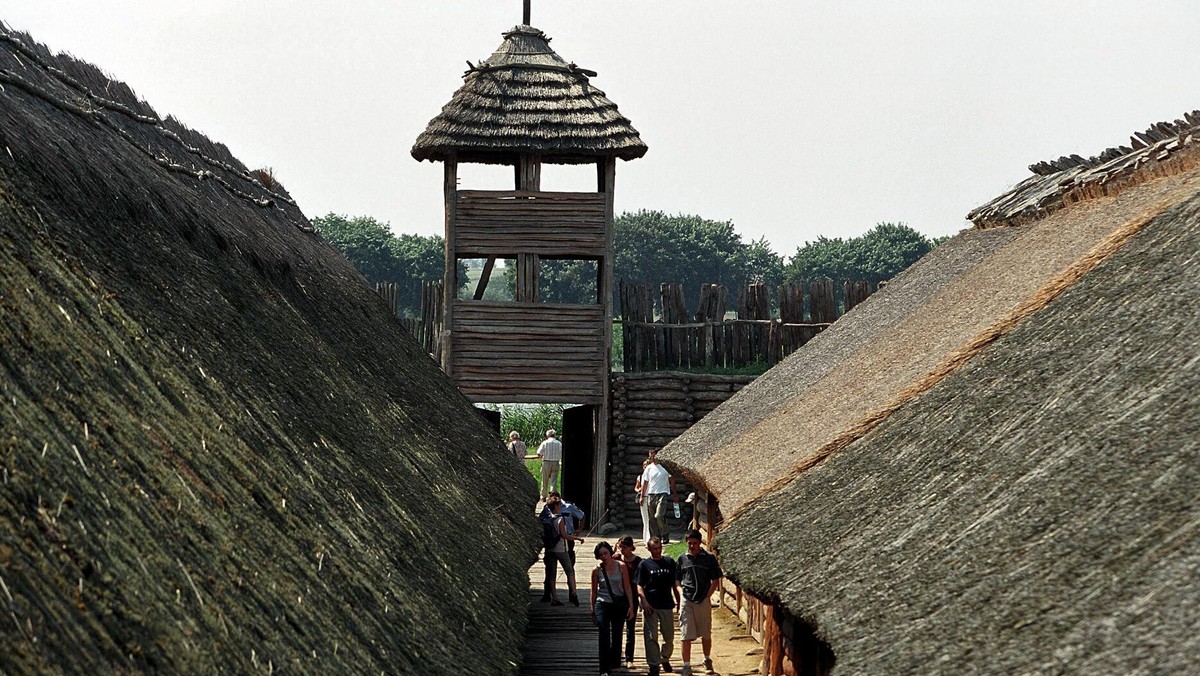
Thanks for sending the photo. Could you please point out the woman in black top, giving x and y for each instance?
(611, 607)
(631, 562)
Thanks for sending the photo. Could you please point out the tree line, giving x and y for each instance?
(650, 247)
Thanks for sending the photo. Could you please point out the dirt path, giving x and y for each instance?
(731, 643)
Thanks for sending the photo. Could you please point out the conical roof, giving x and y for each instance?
(527, 99)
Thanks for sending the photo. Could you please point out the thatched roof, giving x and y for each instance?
(853, 373)
(1034, 512)
(527, 99)
(220, 452)
(1058, 183)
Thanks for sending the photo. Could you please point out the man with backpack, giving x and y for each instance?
(554, 539)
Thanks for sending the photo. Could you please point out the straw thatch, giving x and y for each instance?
(857, 371)
(527, 99)
(1060, 182)
(1033, 512)
(219, 452)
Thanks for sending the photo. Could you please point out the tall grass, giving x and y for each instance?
(531, 421)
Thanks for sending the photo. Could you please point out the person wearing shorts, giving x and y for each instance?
(698, 574)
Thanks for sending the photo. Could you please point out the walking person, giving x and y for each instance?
(659, 484)
(639, 488)
(699, 574)
(555, 542)
(658, 596)
(550, 453)
(611, 607)
(631, 561)
(573, 517)
(516, 446)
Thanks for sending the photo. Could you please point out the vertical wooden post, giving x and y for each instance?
(525, 15)
(528, 178)
(450, 279)
(606, 176)
(529, 172)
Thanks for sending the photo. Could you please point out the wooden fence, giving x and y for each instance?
(663, 336)
(427, 327)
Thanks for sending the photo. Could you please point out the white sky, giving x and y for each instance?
(792, 119)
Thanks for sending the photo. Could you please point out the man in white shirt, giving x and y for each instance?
(550, 453)
(657, 484)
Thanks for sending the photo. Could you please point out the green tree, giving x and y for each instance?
(880, 254)
(364, 241)
(652, 247)
(380, 256)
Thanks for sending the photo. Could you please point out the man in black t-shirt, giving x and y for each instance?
(658, 595)
(698, 574)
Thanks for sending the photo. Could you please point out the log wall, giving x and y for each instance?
(529, 352)
(500, 222)
(648, 411)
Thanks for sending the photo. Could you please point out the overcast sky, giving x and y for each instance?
(793, 119)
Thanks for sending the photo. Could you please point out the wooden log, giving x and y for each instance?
(656, 415)
(823, 304)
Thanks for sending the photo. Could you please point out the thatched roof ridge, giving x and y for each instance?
(526, 99)
(1164, 148)
(220, 451)
(1034, 512)
(85, 91)
(855, 373)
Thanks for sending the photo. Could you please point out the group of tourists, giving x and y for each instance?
(624, 583)
(549, 452)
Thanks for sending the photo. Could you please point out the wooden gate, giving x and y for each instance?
(579, 449)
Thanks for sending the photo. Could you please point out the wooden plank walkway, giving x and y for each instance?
(561, 640)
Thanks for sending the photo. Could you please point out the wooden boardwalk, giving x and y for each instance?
(561, 640)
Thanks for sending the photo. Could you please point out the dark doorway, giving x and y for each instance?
(492, 418)
(579, 453)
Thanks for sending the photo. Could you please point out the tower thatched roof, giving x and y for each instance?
(220, 452)
(526, 99)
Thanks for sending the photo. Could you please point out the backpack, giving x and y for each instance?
(550, 536)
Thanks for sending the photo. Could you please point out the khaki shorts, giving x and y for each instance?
(695, 619)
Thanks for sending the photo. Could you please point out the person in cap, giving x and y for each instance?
(698, 574)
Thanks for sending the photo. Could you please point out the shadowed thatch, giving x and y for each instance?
(527, 99)
(219, 451)
(855, 373)
(1034, 512)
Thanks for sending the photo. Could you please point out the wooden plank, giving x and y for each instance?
(484, 276)
(549, 196)
(450, 277)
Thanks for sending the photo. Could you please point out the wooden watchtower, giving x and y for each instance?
(525, 107)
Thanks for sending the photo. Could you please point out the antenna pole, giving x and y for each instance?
(526, 18)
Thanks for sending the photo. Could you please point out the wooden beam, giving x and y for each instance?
(450, 278)
(525, 16)
(484, 277)
(606, 169)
